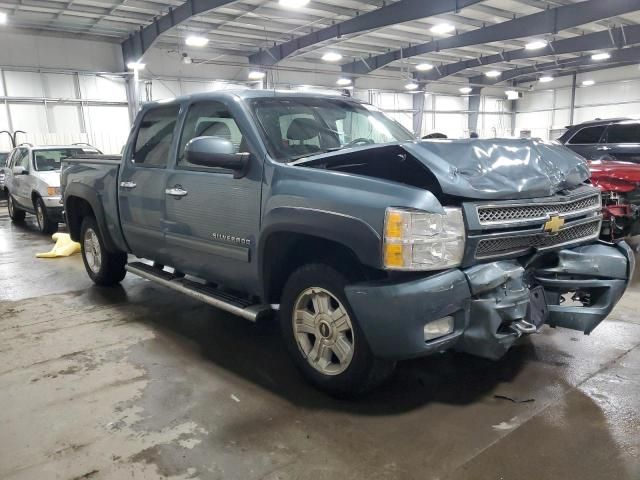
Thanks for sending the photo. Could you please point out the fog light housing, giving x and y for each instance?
(438, 328)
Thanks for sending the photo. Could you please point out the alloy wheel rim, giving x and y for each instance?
(92, 250)
(323, 331)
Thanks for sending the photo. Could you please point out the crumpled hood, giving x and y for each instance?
(500, 168)
(610, 175)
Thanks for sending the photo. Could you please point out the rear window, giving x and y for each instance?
(624, 133)
(588, 135)
(155, 136)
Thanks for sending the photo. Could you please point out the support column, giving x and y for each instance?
(573, 98)
(418, 113)
(474, 109)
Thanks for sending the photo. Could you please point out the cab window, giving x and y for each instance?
(155, 136)
(588, 135)
(209, 119)
(624, 133)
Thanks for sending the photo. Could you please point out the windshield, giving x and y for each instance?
(51, 160)
(3, 159)
(299, 127)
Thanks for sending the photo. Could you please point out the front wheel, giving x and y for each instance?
(323, 335)
(103, 267)
(15, 213)
(45, 223)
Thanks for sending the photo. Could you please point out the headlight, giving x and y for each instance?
(416, 240)
(53, 191)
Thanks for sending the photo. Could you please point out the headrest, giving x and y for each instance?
(303, 129)
(214, 129)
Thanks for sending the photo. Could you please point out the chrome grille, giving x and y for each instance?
(509, 245)
(492, 214)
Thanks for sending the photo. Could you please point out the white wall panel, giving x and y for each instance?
(453, 125)
(30, 118)
(161, 89)
(23, 84)
(101, 88)
(59, 85)
(64, 119)
(108, 127)
(450, 103)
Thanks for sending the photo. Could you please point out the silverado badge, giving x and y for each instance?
(554, 224)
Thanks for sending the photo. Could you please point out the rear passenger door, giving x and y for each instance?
(623, 141)
(142, 182)
(212, 218)
(586, 142)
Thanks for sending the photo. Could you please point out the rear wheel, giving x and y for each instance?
(323, 335)
(103, 267)
(15, 213)
(45, 223)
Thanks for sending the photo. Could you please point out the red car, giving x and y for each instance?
(620, 186)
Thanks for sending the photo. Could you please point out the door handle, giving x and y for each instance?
(603, 149)
(128, 185)
(176, 191)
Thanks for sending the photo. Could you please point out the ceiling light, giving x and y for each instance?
(442, 28)
(545, 79)
(465, 90)
(256, 75)
(332, 57)
(135, 66)
(424, 67)
(411, 86)
(196, 41)
(600, 56)
(3, 18)
(536, 45)
(343, 81)
(293, 3)
(588, 83)
(492, 73)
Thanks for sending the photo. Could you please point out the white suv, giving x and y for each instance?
(32, 182)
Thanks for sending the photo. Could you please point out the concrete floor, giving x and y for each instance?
(140, 382)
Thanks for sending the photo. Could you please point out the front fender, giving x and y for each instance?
(352, 232)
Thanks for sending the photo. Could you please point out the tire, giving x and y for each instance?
(331, 352)
(45, 224)
(15, 213)
(103, 267)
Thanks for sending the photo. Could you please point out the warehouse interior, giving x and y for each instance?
(141, 382)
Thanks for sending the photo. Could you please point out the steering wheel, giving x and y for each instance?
(358, 141)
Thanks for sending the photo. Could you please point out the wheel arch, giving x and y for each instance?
(292, 237)
(80, 201)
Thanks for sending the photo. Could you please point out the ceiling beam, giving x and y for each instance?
(391, 14)
(140, 41)
(615, 38)
(549, 21)
(622, 56)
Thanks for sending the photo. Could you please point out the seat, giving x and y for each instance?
(300, 130)
(214, 129)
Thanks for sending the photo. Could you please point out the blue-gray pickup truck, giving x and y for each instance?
(371, 246)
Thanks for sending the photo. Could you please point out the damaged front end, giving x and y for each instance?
(571, 288)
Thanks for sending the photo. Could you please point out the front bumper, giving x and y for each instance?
(488, 301)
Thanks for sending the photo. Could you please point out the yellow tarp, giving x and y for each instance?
(63, 248)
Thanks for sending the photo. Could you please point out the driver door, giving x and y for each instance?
(212, 218)
(20, 185)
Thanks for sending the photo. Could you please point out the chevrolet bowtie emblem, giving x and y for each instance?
(554, 224)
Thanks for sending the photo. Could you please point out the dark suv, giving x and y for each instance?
(613, 139)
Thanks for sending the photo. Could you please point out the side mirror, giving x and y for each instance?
(216, 152)
(19, 171)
